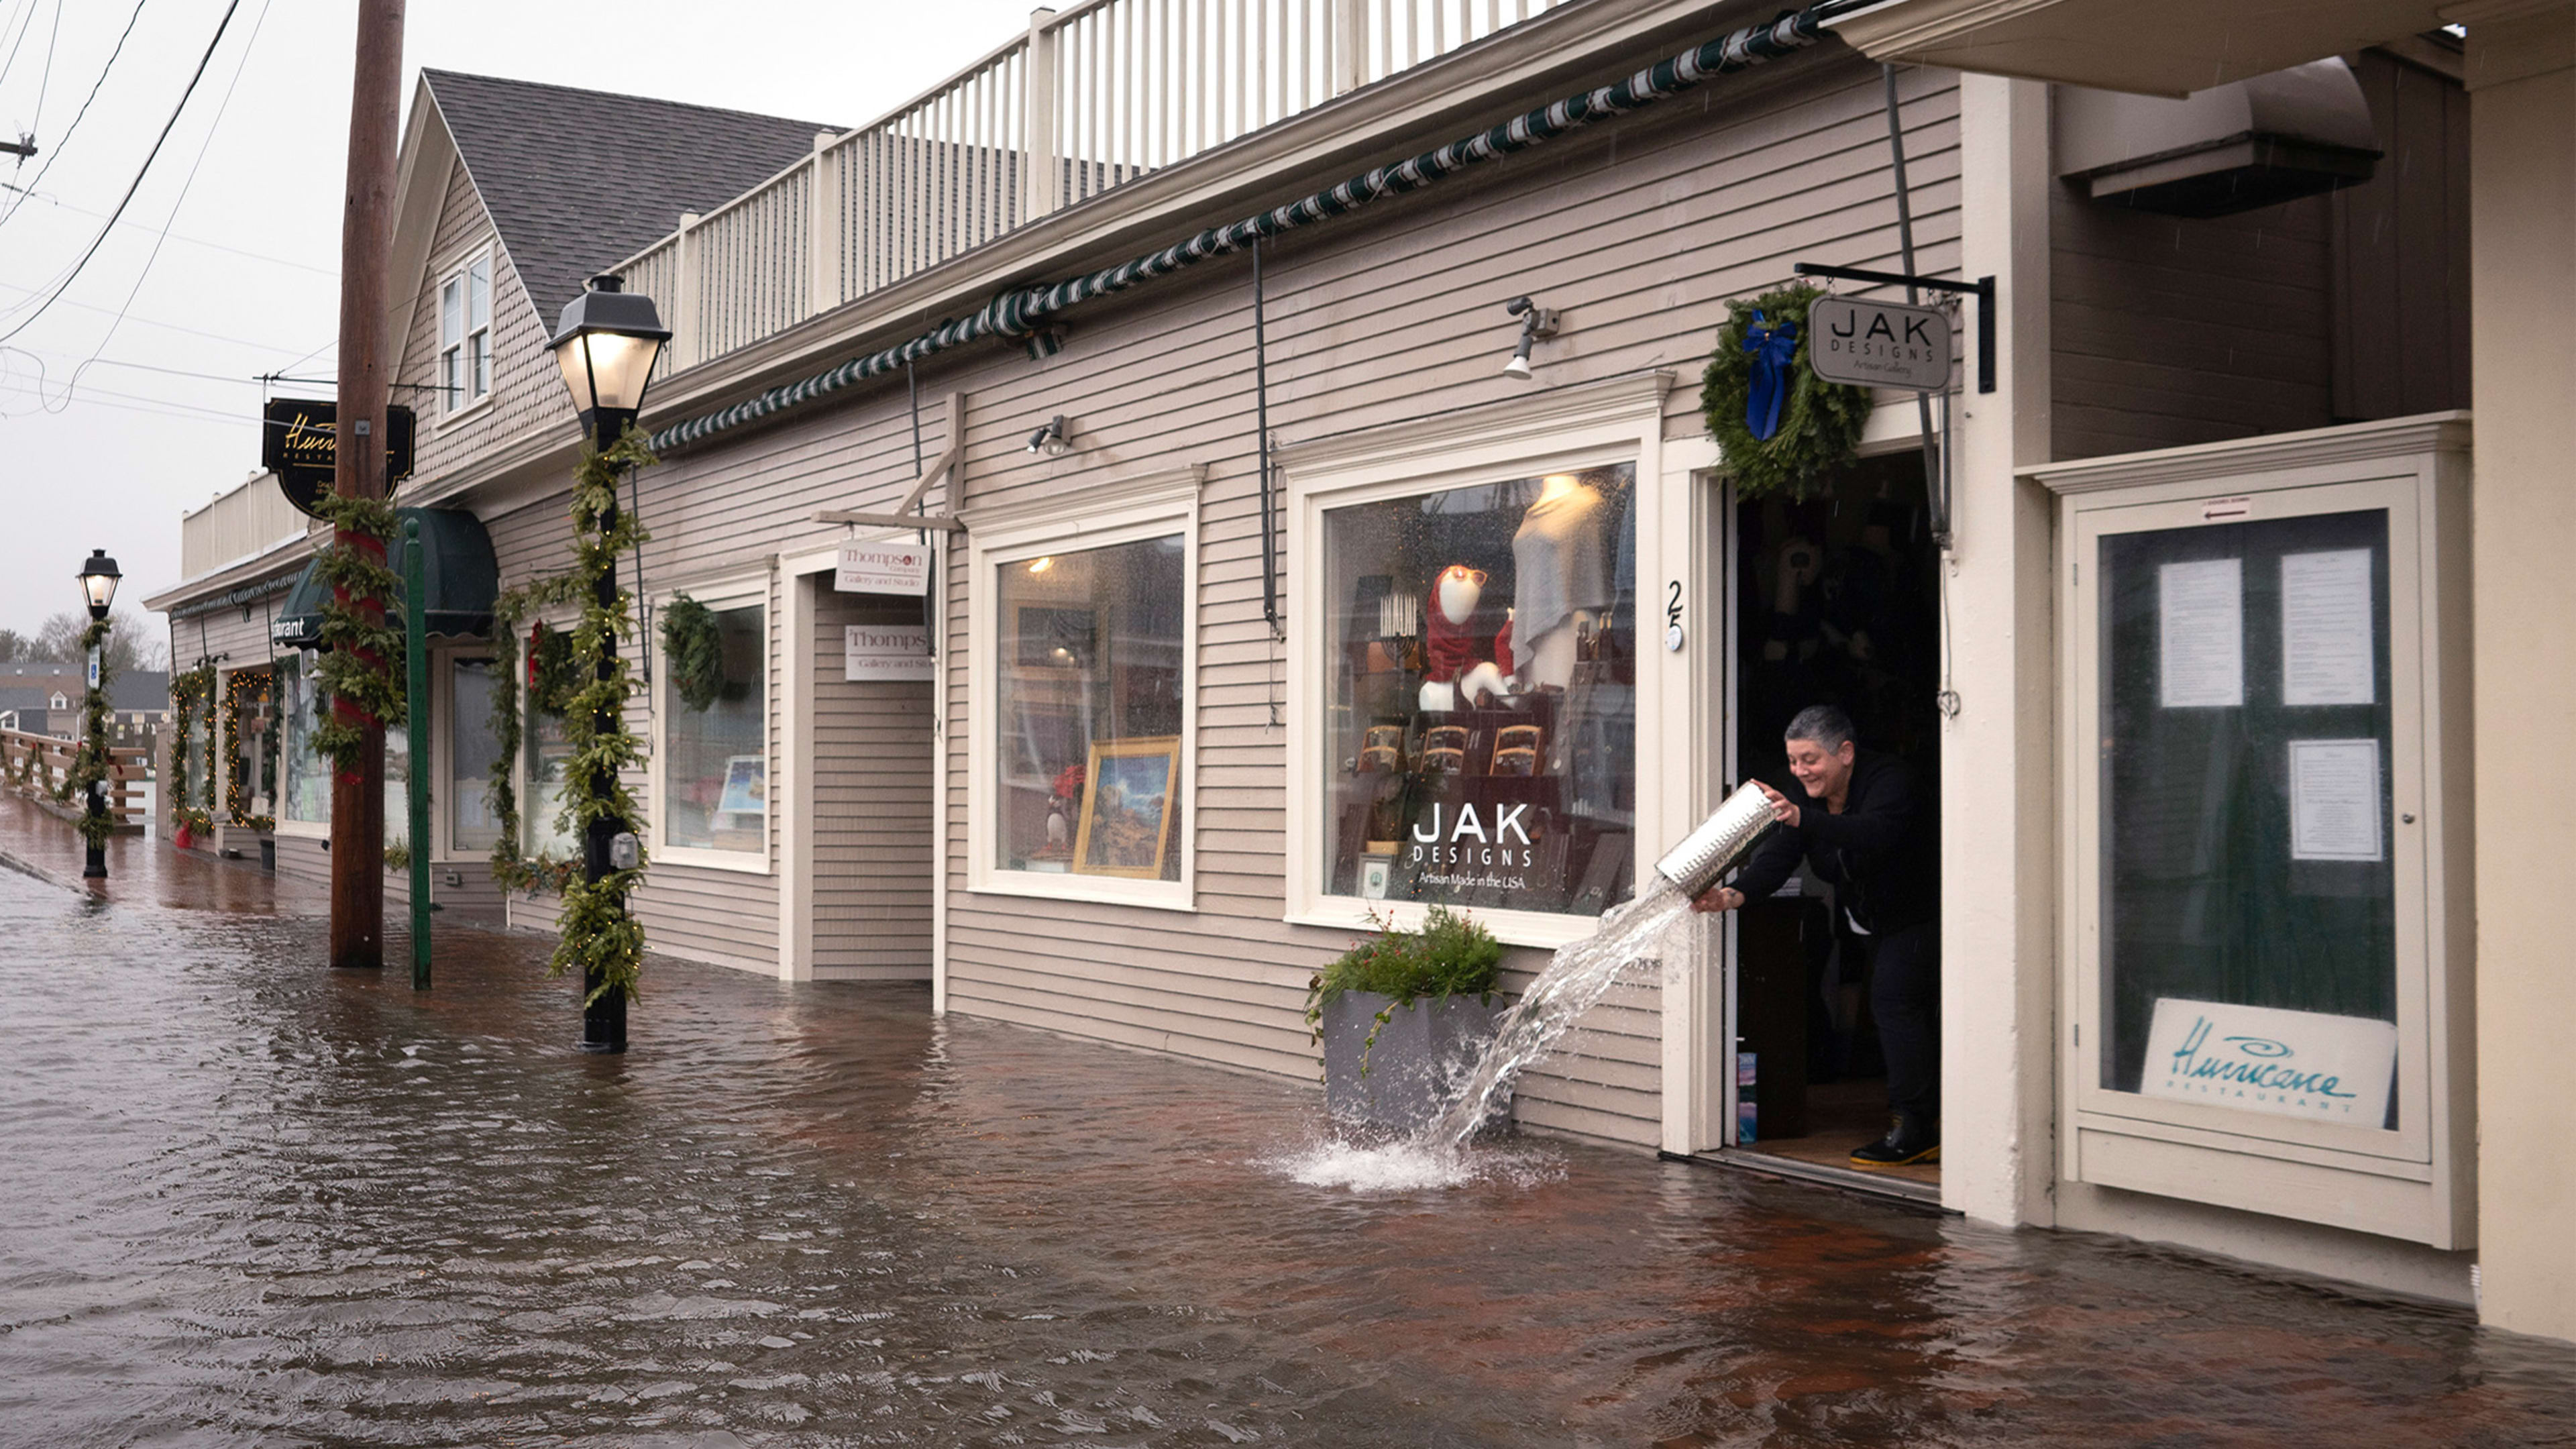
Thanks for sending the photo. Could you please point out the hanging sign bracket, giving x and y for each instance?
(1983, 289)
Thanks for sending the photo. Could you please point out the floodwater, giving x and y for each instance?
(246, 1200)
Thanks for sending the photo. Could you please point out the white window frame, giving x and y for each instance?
(2415, 1183)
(523, 783)
(465, 400)
(282, 665)
(1132, 511)
(1618, 421)
(732, 591)
(442, 738)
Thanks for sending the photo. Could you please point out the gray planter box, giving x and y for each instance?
(1421, 1051)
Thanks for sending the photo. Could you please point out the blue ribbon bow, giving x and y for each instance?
(1774, 347)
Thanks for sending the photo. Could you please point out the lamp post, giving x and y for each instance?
(607, 342)
(98, 576)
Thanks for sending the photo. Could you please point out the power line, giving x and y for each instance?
(66, 136)
(140, 172)
(54, 201)
(26, 22)
(162, 405)
(191, 331)
(185, 183)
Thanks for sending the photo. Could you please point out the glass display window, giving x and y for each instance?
(471, 751)
(2264, 994)
(546, 766)
(1081, 668)
(712, 766)
(1087, 767)
(398, 786)
(307, 775)
(1479, 694)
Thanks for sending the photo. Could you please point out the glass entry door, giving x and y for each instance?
(2250, 932)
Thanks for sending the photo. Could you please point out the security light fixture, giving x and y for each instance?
(1536, 322)
(1050, 439)
(98, 582)
(607, 344)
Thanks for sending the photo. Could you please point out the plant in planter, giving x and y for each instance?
(1399, 1015)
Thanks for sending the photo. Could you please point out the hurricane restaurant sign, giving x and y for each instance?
(2266, 1059)
(1878, 344)
(298, 442)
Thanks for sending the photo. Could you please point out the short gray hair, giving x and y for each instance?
(1822, 723)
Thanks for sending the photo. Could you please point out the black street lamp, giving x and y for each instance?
(607, 342)
(98, 576)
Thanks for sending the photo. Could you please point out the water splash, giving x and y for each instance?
(1573, 983)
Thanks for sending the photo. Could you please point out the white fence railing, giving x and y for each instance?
(1090, 98)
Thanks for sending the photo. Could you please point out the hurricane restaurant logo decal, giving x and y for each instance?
(2308, 1064)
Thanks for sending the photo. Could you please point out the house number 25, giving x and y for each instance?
(1673, 619)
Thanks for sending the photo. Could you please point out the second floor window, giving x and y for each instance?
(465, 334)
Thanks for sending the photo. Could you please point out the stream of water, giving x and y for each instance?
(1573, 983)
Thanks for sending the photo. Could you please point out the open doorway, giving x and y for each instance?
(1837, 603)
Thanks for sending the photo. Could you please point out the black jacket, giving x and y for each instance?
(1878, 852)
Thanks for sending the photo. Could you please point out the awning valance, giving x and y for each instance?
(457, 565)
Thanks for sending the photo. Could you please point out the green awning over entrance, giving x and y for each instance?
(456, 562)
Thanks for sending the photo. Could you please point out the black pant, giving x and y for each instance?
(1905, 997)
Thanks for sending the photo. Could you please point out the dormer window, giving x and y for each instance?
(465, 334)
(61, 701)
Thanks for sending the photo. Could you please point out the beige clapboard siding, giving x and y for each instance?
(1606, 1085)
(872, 760)
(727, 917)
(1638, 232)
(2168, 331)
(527, 387)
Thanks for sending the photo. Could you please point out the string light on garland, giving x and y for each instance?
(191, 694)
(253, 684)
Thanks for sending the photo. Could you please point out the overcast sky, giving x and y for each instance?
(106, 434)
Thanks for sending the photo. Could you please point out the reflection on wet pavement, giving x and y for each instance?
(248, 1200)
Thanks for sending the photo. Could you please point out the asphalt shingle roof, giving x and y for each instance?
(576, 180)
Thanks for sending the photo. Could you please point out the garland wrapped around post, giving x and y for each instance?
(362, 659)
(1779, 428)
(90, 762)
(600, 940)
(189, 693)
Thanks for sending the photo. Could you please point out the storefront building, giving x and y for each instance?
(1257, 608)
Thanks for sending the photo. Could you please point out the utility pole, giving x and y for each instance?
(366, 257)
(22, 148)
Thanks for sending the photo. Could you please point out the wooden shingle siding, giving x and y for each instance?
(527, 387)
(1638, 232)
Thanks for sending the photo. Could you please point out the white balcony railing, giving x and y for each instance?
(1090, 98)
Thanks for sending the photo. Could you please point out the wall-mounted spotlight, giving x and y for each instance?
(1049, 440)
(1536, 322)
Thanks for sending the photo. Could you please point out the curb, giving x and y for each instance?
(25, 867)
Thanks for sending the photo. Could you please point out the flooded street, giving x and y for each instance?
(248, 1200)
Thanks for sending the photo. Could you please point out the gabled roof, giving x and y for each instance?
(576, 180)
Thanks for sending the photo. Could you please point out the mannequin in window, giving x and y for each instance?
(1562, 573)
(1449, 649)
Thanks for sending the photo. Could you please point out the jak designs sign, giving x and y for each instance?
(1878, 344)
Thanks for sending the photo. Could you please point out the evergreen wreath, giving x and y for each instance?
(550, 677)
(1820, 425)
(693, 652)
(362, 660)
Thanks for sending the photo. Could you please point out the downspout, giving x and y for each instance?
(1022, 312)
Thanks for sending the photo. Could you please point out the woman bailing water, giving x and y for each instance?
(1860, 829)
